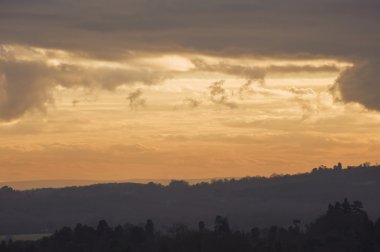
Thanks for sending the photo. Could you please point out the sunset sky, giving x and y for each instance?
(158, 89)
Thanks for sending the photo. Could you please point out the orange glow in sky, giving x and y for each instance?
(177, 116)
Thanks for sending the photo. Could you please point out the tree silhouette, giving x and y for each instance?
(201, 226)
(344, 227)
(149, 228)
(102, 227)
(221, 225)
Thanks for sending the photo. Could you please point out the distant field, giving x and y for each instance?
(24, 237)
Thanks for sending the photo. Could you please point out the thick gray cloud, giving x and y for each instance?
(110, 27)
(361, 84)
(27, 86)
(342, 29)
(23, 86)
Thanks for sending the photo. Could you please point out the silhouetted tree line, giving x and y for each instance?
(246, 201)
(344, 227)
(339, 167)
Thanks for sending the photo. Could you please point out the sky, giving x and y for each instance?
(160, 89)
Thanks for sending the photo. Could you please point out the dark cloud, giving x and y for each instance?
(252, 73)
(260, 72)
(110, 28)
(105, 77)
(135, 99)
(361, 84)
(27, 86)
(341, 29)
(326, 68)
(220, 96)
(23, 86)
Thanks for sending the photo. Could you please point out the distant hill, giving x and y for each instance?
(247, 202)
(35, 184)
(60, 183)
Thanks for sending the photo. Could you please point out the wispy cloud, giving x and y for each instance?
(192, 102)
(135, 99)
(220, 96)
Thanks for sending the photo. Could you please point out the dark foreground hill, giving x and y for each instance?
(246, 202)
(344, 227)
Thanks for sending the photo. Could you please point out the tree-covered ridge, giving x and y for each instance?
(246, 202)
(344, 226)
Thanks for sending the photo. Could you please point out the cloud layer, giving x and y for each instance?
(361, 84)
(293, 27)
(27, 85)
(116, 30)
